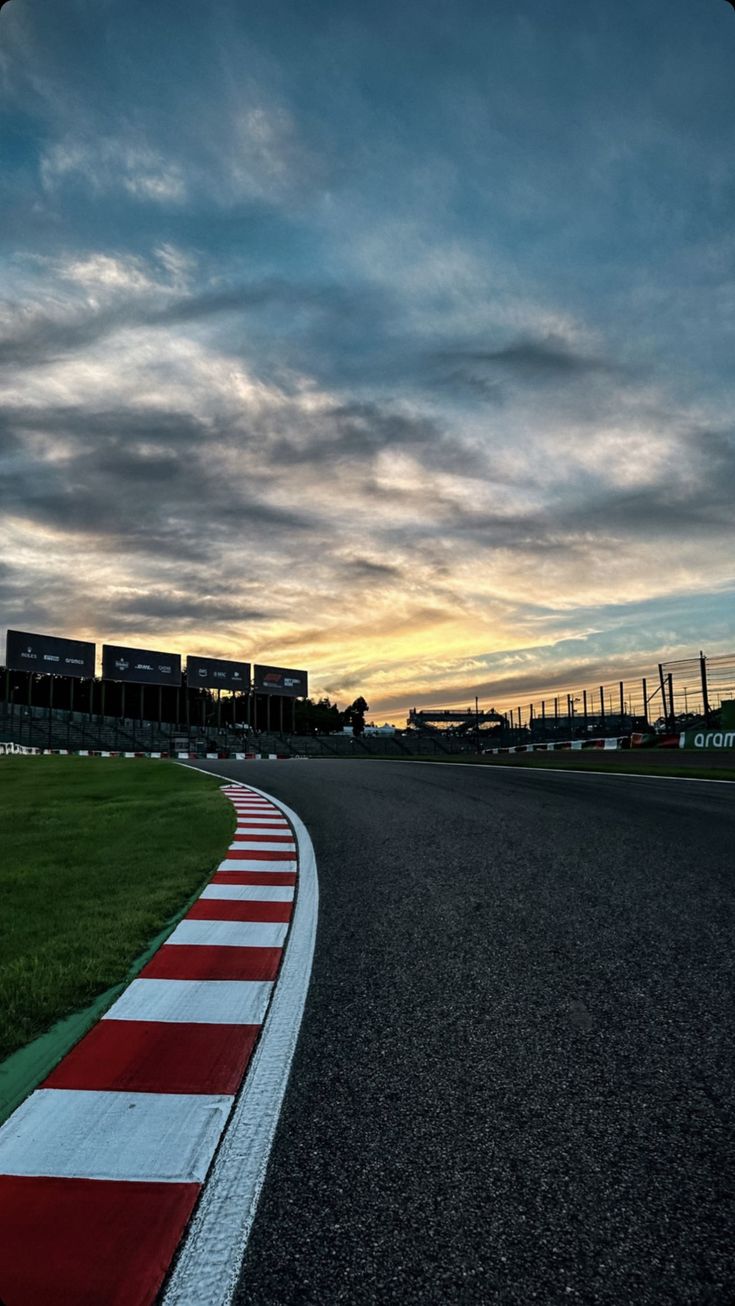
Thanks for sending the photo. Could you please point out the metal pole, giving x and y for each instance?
(280, 714)
(645, 700)
(477, 724)
(219, 708)
(671, 702)
(663, 691)
(543, 711)
(50, 705)
(705, 695)
(584, 708)
(556, 712)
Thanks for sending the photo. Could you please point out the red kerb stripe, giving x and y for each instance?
(141, 1056)
(193, 962)
(87, 1241)
(259, 855)
(228, 909)
(255, 877)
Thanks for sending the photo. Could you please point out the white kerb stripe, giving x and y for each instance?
(228, 934)
(259, 823)
(194, 1002)
(251, 892)
(255, 864)
(244, 819)
(87, 1134)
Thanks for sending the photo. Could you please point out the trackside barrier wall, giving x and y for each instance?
(707, 739)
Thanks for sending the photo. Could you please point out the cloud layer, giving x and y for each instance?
(429, 390)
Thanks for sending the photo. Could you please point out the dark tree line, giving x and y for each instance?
(323, 717)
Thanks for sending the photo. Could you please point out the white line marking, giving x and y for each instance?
(558, 770)
(250, 892)
(229, 934)
(208, 1268)
(263, 846)
(195, 1002)
(87, 1134)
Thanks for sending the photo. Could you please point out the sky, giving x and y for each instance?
(390, 341)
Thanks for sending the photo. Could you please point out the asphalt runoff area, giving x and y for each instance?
(514, 1081)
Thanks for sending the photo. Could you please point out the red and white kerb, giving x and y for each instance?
(101, 1167)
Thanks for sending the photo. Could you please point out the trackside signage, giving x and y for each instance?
(707, 739)
(217, 673)
(140, 666)
(49, 654)
(277, 680)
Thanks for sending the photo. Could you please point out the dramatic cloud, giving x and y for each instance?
(398, 351)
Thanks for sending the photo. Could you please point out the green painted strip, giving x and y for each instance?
(26, 1068)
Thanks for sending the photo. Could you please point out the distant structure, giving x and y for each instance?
(433, 718)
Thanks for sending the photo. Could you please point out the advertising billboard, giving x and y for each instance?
(49, 654)
(217, 673)
(277, 680)
(140, 666)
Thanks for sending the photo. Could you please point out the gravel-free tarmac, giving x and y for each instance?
(514, 1081)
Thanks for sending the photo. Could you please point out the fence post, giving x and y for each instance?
(584, 709)
(664, 708)
(671, 702)
(645, 700)
(705, 695)
(622, 704)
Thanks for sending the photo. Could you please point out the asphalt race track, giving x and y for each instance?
(514, 1081)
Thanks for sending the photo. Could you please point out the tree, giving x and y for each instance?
(356, 715)
(320, 718)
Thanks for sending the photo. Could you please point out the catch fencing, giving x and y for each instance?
(672, 698)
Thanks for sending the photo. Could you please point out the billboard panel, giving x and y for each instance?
(277, 680)
(49, 654)
(140, 666)
(217, 673)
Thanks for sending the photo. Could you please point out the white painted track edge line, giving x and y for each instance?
(208, 1266)
(528, 770)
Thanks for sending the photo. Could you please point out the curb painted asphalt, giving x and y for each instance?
(207, 1270)
(102, 1167)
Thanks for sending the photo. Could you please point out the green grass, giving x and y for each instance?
(97, 855)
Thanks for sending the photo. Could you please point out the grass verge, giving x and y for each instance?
(98, 854)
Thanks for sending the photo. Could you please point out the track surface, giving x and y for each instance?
(514, 1081)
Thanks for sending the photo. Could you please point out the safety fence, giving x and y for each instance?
(670, 699)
